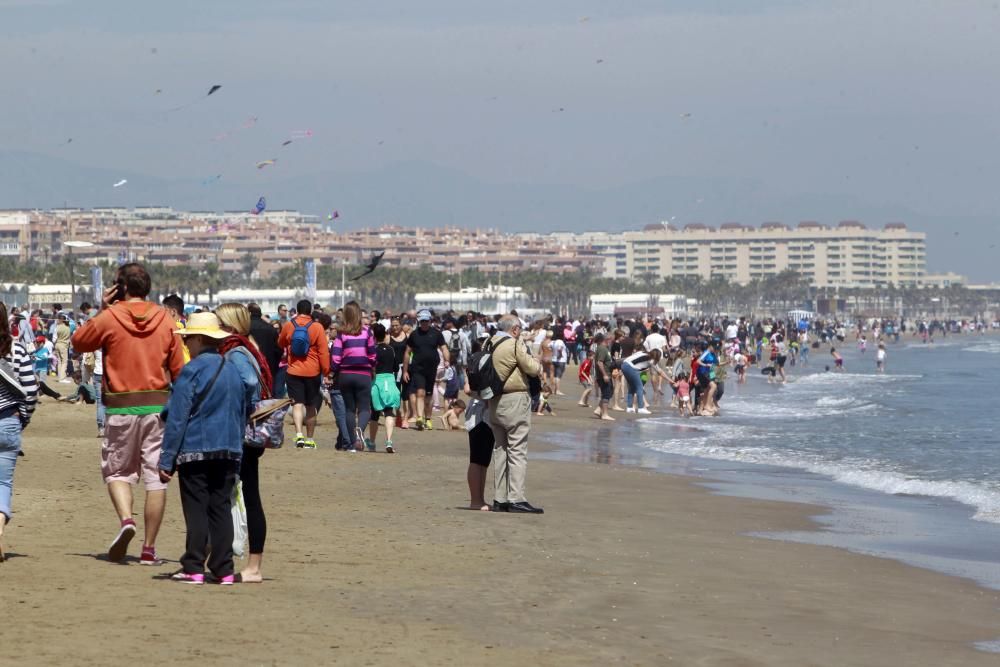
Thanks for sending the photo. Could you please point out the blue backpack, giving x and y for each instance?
(300, 339)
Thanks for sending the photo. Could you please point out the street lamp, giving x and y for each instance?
(72, 268)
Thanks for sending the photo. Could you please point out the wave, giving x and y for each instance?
(789, 408)
(729, 442)
(984, 348)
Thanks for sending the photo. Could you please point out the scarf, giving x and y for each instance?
(234, 341)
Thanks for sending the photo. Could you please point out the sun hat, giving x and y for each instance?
(203, 324)
(424, 316)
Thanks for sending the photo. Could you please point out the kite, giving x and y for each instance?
(333, 216)
(584, 19)
(266, 163)
(210, 91)
(259, 208)
(600, 60)
(559, 110)
(285, 143)
(68, 141)
(371, 266)
(301, 134)
(153, 50)
(120, 183)
(209, 181)
(247, 124)
(157, 91)
(685, 115)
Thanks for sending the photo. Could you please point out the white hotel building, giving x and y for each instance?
(846, 255)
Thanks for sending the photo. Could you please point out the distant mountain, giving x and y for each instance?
(422, 194)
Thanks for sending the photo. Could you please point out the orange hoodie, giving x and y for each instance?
(141, 355)
(317, 362)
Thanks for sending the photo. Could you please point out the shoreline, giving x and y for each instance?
(371, 558)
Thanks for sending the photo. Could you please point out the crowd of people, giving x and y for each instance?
(199, 395)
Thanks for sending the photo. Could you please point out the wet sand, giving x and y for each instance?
(371, 559)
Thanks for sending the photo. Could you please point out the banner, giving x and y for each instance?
(311, 280)
(97, 283)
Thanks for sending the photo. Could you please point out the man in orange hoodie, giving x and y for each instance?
(141, 357)
(305, 372)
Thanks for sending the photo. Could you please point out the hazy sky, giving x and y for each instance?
(891, 102)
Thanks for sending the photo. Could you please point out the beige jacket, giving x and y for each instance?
(515, 363)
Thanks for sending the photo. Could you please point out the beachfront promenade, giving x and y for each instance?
(371, 561)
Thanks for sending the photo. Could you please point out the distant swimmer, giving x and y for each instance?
(838, 361)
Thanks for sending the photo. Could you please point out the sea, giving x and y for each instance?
(905, 463)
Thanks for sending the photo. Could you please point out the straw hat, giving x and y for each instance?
(203, 324)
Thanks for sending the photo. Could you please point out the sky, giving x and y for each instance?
(603, 113)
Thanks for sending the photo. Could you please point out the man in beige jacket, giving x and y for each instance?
(510, 417)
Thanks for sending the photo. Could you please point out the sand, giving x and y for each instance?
(371, 560)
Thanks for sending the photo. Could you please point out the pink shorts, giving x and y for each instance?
(132, 447)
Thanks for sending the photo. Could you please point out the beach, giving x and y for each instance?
(371, 559)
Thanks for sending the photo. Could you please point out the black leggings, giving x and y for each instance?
(357, 393)
(256, 521)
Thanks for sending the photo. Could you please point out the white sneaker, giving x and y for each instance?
(632, 410)
(644, 411)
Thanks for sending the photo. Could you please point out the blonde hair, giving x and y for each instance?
(352, 319)
(235, 316)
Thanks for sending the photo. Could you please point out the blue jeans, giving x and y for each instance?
(340, 415)
(10, 445)
(278, 384)
(100, 404)
(635, 387)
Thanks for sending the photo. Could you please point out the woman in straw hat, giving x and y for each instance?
(203, 443)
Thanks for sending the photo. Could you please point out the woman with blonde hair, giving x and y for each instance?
(352, 361)
(242, 352)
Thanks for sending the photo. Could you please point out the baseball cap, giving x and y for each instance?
(424, 316)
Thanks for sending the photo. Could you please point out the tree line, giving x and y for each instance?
(564, 293)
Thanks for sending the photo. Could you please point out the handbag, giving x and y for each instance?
(266, 427)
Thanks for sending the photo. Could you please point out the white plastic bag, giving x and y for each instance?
(239, 511)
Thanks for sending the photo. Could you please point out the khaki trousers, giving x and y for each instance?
(510, 419)
(62, 360)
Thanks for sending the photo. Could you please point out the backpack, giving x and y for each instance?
(483, 377)
(300, 339)
(455, 348)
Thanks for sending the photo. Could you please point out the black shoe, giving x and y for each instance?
(524, 507)
(500, 507)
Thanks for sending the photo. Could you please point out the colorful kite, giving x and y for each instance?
(333, 216)
(259, 208)
(266, 163)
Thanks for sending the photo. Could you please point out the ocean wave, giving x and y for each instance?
(984, 348)
(838, 379)
(776, 408)
(730, 442)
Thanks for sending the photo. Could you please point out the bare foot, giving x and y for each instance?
(617, 409)
(248, 577)
(608, 418)
(481, 507)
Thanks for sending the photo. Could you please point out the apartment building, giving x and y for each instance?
(273, 240)
(848, 254)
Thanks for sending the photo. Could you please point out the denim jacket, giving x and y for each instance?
(249, 371)
(215, 430)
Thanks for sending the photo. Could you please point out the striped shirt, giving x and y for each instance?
(640, 361)
(23, 365)
(353, 354)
